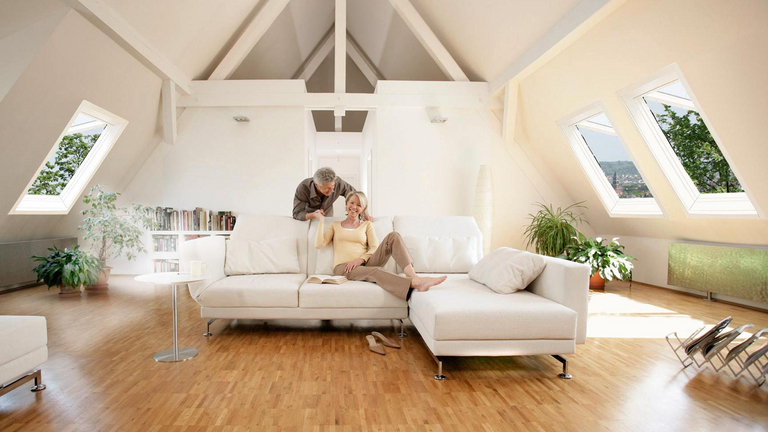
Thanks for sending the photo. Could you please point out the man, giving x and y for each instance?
(318, 193)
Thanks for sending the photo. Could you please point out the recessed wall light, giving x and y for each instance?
(241, 119)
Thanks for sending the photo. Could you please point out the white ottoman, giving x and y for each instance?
(25, 347)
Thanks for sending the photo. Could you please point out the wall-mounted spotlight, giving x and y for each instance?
(436, 115)
(241, 119)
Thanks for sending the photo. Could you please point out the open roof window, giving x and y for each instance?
(608, 164)
(686, 147)
(72, 162)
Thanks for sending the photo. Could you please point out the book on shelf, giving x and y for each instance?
(199, 219)
(325, 279)
(164, 243)
(166, 266)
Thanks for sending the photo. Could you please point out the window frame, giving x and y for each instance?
(695, 203)
(614, 205)
(62, 204)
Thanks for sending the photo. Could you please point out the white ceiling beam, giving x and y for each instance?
(562, 34)
(169, 112)
(424, 34)
(316, 57)
(118, 29)
(362, 61)
(340, 57)
(337, 123)
(258, 93)
(248, 39)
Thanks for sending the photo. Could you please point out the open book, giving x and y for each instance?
(321, 279)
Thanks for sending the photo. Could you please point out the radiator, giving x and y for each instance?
(731, 270)
(16, 262)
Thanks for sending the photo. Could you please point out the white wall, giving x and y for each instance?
(422, 168)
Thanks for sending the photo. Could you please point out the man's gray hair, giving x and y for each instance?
(324, 175)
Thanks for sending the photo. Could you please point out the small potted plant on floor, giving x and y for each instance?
(68, 269)
(113, 231)
(608, 262)
(550, 230)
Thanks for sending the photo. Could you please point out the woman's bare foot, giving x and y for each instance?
(423, 284)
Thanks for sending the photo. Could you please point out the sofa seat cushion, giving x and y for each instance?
(462, 309)
(21, 335)
(265, 290)
(352, 294)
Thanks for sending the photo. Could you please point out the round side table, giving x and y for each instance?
(174, 279)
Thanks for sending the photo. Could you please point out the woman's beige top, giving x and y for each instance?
(348, 244)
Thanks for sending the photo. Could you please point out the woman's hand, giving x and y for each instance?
(319, 215)
(353, 265)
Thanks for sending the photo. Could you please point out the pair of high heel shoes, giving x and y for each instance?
(378, 348)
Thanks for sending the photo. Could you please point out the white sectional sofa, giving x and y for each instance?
(457, 318)
(24, 342)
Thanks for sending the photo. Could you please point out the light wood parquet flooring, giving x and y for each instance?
(293, 375)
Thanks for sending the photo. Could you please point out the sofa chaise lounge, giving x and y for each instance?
(457, 318)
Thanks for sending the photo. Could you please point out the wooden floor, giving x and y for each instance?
(320, 376)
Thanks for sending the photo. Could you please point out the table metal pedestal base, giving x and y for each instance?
(166, 355)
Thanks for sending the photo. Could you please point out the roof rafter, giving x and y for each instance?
(118, 29)
(248, 39)
(362, 61)
(424, 34)
(316, 57)
(570, 27)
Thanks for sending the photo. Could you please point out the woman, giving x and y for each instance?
(358, 255)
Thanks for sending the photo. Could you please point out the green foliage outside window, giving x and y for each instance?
(71, 153)
(698, 151)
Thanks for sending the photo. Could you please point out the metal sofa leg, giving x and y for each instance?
(208, 328)
(564, 361)
(39, 386)
(402, 333)
(439, 375)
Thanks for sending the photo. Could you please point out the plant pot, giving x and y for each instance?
(67, 291)
(596, 282)
(103, 283)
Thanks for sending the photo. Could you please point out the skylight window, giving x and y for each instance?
(72, 162)
(687, 149)
(608, 165)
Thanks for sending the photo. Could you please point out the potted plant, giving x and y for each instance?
(68, 269)
(608, 262)
(550, 230)
(113, 231)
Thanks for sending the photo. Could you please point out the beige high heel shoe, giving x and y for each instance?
(385, 340)
(375, 347)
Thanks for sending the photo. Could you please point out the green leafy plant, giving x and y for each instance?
(68, 268)
(70, 154)
(550, 230)
(608, 260)
(114, 231)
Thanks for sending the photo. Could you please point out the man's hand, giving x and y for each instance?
(317, 214)
(369, 218)
(353, 265)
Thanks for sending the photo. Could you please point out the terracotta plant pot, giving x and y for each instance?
(596, 282)
(103, 283)
(67, 291)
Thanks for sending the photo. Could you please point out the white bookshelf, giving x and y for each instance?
(164, 256)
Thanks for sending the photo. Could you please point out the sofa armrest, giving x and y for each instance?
(567, 283)
(210, 250)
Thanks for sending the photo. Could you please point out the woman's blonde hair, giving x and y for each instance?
(363, 203)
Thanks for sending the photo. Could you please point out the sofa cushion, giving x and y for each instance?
(272, 290)
(21, 335)
(507, 270)
(258, 228)
(456, 227)
(462, 309)
(442, 254)
(270, 256)
(352, 294)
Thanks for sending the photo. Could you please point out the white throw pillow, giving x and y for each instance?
(507, 270)
(272, 256)
(442, 254)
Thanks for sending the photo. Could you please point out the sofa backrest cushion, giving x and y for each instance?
(271, 256)
(441, 244)
(258, 228)
(507, 270)
(321, 260)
